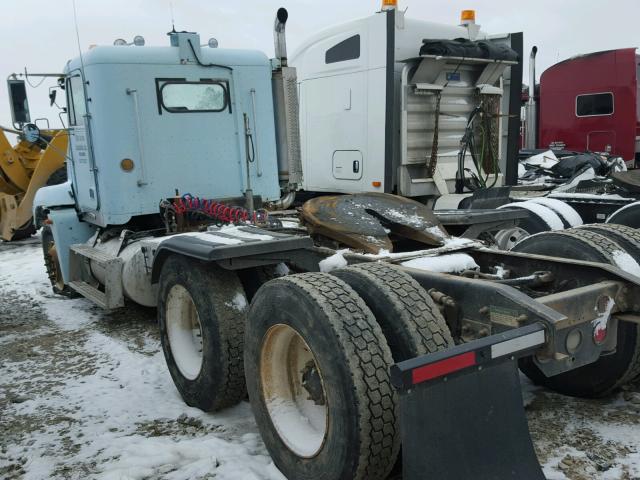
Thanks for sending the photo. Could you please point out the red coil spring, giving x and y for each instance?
(216, 210)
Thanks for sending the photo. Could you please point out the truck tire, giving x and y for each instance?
(201, 313)
(317, 369)
(52, 265)
(610, 371)
(409, 318)
(628, 215)
(253, 278)
(627, 237)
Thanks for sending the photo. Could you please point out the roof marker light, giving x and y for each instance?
(389, 4)
(468, 17)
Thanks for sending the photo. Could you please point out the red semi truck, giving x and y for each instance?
(587, 103)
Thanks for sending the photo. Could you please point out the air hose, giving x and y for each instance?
(479, 119)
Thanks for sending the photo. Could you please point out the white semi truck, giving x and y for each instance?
(184, 163)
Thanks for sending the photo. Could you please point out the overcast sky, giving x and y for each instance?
(41, 36)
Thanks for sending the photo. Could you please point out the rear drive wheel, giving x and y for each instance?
(409, 318)
(610, 370)
(201, 310)
(52, 264)
(316, 364)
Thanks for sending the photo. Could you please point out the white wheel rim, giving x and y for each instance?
(184, 332)
(298, 410)
(506, 239)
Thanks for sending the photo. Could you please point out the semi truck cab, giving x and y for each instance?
(369, 103)
(357, 108)
(146, 122)
(590, 103)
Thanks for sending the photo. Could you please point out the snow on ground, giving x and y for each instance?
(85, 395)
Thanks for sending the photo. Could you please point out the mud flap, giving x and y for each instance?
(461, 411)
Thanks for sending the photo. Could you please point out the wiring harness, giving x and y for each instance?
(485, 159)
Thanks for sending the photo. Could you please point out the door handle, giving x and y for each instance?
(356, 166)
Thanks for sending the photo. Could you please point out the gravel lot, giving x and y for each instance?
(84, 394)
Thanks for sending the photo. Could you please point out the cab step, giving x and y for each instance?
(82, 281)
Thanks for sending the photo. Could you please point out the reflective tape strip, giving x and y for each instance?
(443, 367)
(517, 344)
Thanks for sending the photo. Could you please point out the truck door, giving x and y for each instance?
(80, 144)
(335, 110)
(596, 114)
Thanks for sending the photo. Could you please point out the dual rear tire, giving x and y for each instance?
(317, 352)
(352, 325)
(602, 244)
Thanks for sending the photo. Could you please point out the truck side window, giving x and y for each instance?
(594, 104)
(180, 96)
(75, 100)
(348, 49)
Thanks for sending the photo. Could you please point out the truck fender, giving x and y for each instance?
(54, 196)
(249, 247)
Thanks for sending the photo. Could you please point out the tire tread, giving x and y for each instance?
(425, 327)
(370, 358)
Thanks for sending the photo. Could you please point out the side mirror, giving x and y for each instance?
(31, 133)
(19, 102)
(52, 96)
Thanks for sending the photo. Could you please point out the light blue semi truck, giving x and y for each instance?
(184, 164)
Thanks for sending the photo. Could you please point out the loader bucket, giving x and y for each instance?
(461, 411)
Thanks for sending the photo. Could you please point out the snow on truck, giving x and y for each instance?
(184, 163)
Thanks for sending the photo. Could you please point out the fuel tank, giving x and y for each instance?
(136, 270)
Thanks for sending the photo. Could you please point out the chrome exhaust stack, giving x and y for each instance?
(285, 103)
(279, 37)
(531, 118)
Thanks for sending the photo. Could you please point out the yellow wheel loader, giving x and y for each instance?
(24, 168)
(35, 161)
